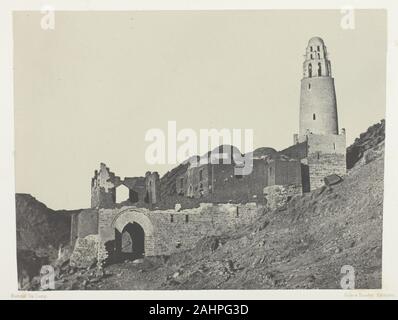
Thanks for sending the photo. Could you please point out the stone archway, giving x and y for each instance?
(132, 221)
(130, 244)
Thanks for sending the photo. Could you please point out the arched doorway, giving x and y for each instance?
(134, 234)
(130, 243)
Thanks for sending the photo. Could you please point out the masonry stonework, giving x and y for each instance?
(318, 107)
(165, 231)
(326, 155)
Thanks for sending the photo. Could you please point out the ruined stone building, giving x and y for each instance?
(219, 182)
(164, 215)
(105, 186)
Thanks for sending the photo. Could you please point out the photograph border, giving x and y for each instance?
(9, 289)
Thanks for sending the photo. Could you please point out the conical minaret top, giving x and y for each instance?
(316, 62)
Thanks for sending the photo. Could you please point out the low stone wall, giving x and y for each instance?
(85, 252)
(166, 231)
(169, 231)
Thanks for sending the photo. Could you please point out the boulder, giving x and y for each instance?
(332, 179)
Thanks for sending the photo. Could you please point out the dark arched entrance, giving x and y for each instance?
(130, 243)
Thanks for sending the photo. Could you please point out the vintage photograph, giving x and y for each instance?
(191, 150)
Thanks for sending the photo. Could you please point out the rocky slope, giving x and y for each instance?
(371, 139)
(38, 226)
(40, 232)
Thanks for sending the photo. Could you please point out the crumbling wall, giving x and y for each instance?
(152, 187)
(219, 183)
(277, 196)
(103, 188)
(85, 252)
(136, 186)
(83, 224)
(229, 187)
(196, 181)
(105, 185)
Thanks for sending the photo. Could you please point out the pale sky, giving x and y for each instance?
(88, 91)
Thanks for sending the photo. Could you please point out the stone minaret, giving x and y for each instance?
(318, 109)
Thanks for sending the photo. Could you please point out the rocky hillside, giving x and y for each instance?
(370, 140)
(304, 245)
(40, 232)
(38, 226)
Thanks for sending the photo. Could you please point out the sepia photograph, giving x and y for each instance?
(198, 151)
